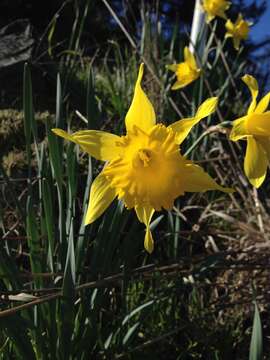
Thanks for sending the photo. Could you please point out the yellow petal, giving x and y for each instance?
(207, 107)
(183, 127)
(209, 18)
(263, 104)
(197, 180)
(259, 124)
(145, 214)
(148, 241)
(255, 164)
(141, 112)
(189, 58)
(179, 84)
(222, 15)
(252, 84)
(265, 143)
(239, 130)
(172, 67)
(229, 26)
(99, 144)
(63, 134)
(101, 196)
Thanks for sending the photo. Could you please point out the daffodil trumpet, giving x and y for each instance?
(145, 168)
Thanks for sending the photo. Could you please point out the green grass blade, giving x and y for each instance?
(34, 243)
(28, 110)
(49, 216)
(67, 305)
(256, 344)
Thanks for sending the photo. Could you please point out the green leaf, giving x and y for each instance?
(28, 110)
(67, 309)
(92, 111)
(34, 243)
(48, 210)
(130, 332)
(51, 32)
(256, 344)
(136, 311)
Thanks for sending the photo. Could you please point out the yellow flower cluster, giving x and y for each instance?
(238, 30)
(188, 71)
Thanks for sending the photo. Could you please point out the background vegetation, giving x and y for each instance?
(75, 292)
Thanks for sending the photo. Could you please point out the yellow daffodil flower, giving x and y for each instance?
(186, 72)
(144, 167)
(238, 30)
(215, 8)
(255, 128)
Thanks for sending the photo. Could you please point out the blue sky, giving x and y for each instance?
(262, 29)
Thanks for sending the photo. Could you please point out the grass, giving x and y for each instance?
(75, 292)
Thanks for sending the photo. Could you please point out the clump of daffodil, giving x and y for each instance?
(144, 167)
(186, 71)
(255, 129)
(215, 8)
(238, 30)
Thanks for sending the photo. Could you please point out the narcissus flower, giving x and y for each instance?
(145, 168)
(215, 8)
(255, 128)
(238, 30)
(186, 71)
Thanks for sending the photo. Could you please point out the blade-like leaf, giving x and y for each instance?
(256, 344)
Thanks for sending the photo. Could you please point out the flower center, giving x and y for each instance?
(149, 171)
(142, 158)
(242, 30)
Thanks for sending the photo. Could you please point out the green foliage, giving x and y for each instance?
(256, 344)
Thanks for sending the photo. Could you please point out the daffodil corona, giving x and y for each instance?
(215, 8)
(186, 72)
(145, 168)
(238, 30)
(255, 128)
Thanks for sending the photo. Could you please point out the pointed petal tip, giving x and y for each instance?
(228, 190)
(88, 221)
(207, 107)
(148, 241)
(141, 112)
(178, 85)
(57, 131)
(250, 81)
(140, 74)
(171, 67)
(214, 101)
(257, 182)
(62, 133)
